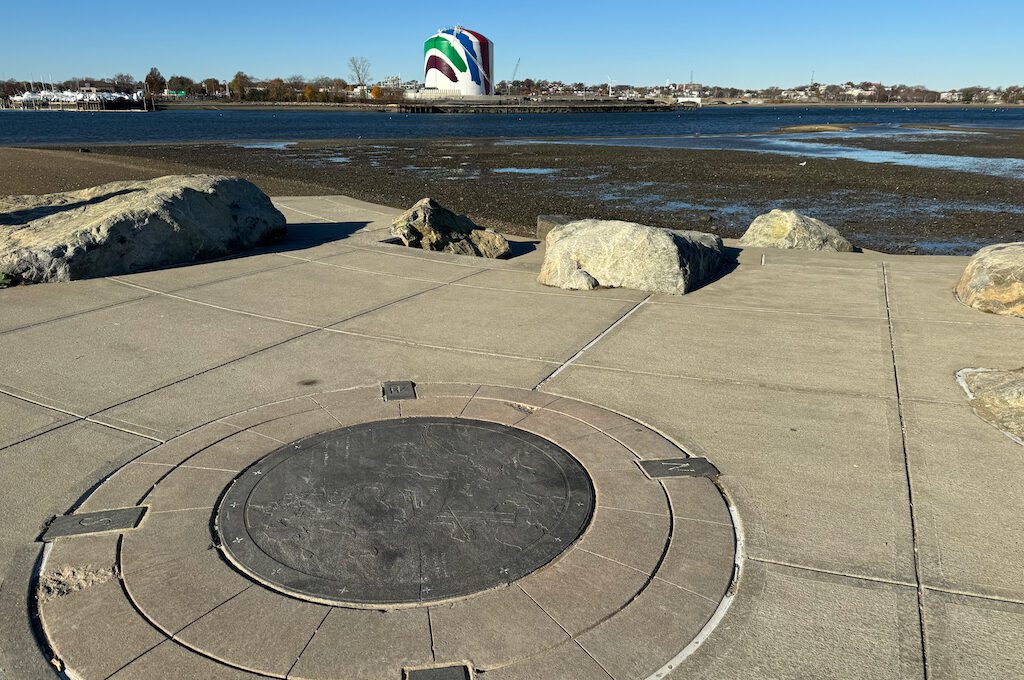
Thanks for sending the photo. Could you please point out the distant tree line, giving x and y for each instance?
(328, 89)
(242, 87)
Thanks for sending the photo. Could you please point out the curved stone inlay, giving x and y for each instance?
(407, 511)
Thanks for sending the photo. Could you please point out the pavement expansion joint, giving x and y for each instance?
(908, 477)
(469, 541)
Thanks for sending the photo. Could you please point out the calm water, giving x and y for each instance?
(70, 127)
(808, 146)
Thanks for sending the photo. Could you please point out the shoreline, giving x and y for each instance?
(556, 106)
(889, 208)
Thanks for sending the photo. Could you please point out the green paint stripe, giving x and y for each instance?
(447, 49)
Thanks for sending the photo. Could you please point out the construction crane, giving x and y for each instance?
(515, 71)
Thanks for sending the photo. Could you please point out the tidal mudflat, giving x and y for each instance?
(896, 189)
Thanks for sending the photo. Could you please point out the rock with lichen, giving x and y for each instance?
(997, 397)
(792, 230)
(994, 280)
(587, 254)
(431, 226)
(125, 227)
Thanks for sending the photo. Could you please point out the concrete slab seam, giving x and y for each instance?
(173, 635)
(686, 450)
(361, 208)
(564, 630)
(723, 606)
(593, 342)
(973, 596)
(830, 572)
(234, 277)
(329, 328)
(426, 345)
(767, 310)
(361, 270)
(739, 383)
(308, 643)
(38, 433)
(906, 468)
(74, 314)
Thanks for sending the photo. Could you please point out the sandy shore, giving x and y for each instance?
(883, 207)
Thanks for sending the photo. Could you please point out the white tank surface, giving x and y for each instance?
(459, 61)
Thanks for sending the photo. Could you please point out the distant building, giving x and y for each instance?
(460, 61)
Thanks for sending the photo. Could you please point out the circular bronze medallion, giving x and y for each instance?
(401, 512)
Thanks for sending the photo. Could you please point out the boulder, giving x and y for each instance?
(546, 223)
(431, 226)
(994, 280)
(125, 227)
(590, 253)
(790, 229)
(997, 397)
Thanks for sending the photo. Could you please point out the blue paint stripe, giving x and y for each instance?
(467, 42)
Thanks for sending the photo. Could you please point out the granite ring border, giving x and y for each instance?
(560, 420)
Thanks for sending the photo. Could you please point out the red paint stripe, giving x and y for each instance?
(485, 59)
(437, 62)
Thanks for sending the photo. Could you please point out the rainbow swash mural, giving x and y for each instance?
(459, 59)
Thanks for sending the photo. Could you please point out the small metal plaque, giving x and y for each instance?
(460, 672)
(679, 467)
(399, 389)
(94, 522)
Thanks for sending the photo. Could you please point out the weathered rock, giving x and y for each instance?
(125, 227)
(546, 223)
(589, 253)
(997, 397)
(431, 226)
(994, 280)
(790, 229)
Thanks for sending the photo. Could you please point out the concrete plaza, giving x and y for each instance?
(877, 520)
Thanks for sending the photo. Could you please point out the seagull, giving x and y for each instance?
(803, 164)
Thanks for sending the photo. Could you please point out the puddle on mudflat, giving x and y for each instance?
(803, 146)
(950, 247)
(280, 146)
(526, 171)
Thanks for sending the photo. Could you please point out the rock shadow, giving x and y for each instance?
(731, 260)
(309, 234)
(520, 248)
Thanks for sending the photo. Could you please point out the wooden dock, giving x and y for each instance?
(526, 107)
(78, 105)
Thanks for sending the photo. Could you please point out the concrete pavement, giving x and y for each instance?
(876, 517)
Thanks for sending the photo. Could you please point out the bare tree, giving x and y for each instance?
(359, 69)
(124, 82)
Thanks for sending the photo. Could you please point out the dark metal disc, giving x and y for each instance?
(404, 511)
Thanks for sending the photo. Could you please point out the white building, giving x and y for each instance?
(459, 61)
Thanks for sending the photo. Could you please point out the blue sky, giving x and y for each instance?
(746, 43)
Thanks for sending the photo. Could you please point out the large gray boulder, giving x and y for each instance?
(431, 226)
(546, 223)
(997, 397)
(994, 280)
(589, 253)
(790, 229)
(125, 227)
